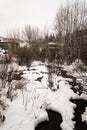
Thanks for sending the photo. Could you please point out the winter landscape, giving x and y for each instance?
(43, 74)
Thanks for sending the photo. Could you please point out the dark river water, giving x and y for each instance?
(54, 122)
(79, 110)
(55, 118)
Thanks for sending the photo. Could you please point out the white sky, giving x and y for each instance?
(17, 13)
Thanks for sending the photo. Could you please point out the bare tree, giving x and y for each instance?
(70, 20)
(31, 35)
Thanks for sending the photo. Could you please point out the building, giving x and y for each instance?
(8, 44)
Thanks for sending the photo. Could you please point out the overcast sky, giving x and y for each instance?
(17, 13)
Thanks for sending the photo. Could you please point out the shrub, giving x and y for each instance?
(78, 65)
(24, 55)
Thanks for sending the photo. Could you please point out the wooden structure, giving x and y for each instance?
(53, 50)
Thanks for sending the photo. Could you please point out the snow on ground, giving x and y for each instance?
(78, 70)
(29, 107)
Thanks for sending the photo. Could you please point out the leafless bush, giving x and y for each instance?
(7, 82)
(78, 65)
(24, 55)
(5, 58)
